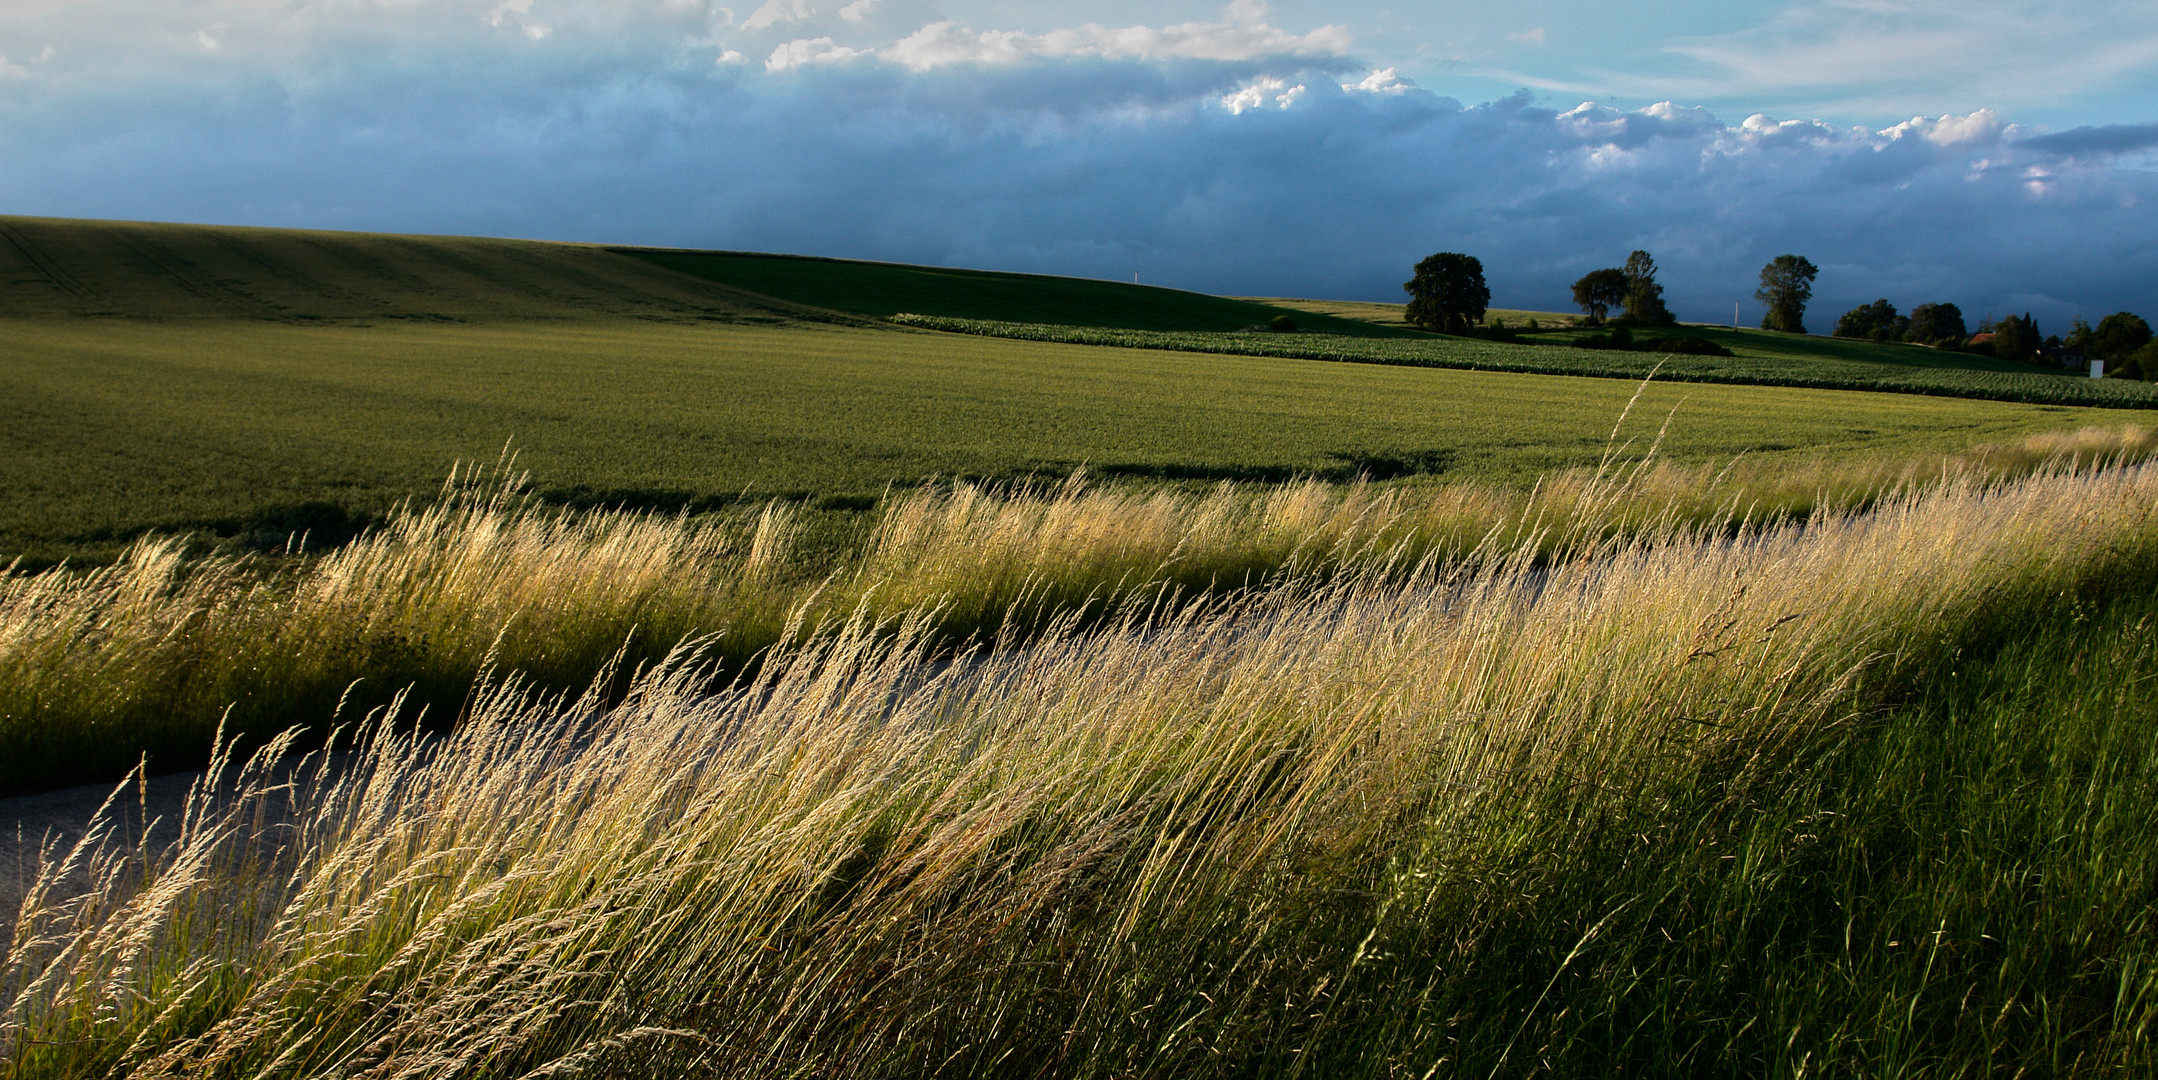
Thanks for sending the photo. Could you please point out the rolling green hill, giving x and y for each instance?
(54, 267)
(886, 289)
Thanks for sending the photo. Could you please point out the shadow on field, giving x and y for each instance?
(660, 500)
(1347, 466)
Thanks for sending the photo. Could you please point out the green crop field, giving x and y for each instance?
(887, 289)
(252, 382)
(1391, 315)
(109, 428)
(1759, 358)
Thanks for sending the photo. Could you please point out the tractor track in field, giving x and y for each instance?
(37, 259)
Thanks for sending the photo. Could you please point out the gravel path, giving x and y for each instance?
(56, 819)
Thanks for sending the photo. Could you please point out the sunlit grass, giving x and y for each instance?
(151, 655)
(1511, 815)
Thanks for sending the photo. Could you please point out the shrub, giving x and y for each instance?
(2140, 364)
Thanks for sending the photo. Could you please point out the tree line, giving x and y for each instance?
(2122, 340)
(1448, 295)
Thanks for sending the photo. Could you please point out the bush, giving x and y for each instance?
(1282, 324)
(1623, 339)
(2140, 364)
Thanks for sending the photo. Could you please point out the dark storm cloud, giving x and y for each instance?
(1199, 159)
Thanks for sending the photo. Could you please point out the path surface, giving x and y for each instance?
(55, 820)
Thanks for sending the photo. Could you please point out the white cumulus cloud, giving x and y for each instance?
(1383, 81)
(805, 51)
(1264, 91)
(945, 43)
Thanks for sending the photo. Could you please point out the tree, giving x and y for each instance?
(2016, 339)
(1934, 324)
(1599, 291)
(1644, 297)
(1786, 285)
(1448, 293)
(2140, 364)
(2116, 336)
(1875, 320)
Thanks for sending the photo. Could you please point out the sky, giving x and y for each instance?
(1997, 154)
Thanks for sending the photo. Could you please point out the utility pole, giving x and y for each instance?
(1734, 313)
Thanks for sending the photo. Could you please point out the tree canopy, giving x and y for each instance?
(1448, 293)
(2016, 338)
(1786, 286)
(1877, 321)
(1934, 324)
(1599, 291)
(1644, 297)
(2114, 338)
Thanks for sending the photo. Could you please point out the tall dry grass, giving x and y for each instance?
(1311, 828)
(148, 657)
(151, 655)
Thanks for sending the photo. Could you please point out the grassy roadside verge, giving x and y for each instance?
(148, 658)
(1618, 814)
(2028, 386)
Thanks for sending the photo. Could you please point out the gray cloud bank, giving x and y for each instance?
(1229, 157)
(2103, 139)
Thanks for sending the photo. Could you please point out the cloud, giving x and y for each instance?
(778, 12)
(1262, 92)
(2101, 141)
(1870, 57)
(1230, 156)
(1382, 81)
(1529, 37)
(1979, 129)
(942, 44)
(804, 51)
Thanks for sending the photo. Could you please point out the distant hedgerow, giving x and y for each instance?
(1538, 358)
